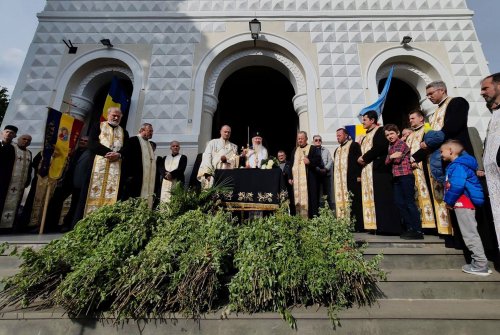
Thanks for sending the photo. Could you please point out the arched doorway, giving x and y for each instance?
(401, 99)
(258, 97)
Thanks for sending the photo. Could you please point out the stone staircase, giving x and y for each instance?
(425, 293)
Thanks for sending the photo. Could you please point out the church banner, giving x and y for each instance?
(61, 135)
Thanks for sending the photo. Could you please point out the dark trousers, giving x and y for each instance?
(404, 198)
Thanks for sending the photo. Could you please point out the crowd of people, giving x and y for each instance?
(439, 180)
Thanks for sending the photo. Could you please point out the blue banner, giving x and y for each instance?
(378, 105)
(50, 139)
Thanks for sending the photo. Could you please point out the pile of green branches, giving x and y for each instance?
(182, 269)
(286, 261)
(43, 271)
(190, 258)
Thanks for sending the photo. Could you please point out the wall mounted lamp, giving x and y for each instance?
(71, 48)
(255, 27)
(406, 40)
(106, 42)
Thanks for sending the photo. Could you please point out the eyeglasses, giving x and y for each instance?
(432, 93)
(317, 140)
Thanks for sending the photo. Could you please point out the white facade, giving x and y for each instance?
(178, 53)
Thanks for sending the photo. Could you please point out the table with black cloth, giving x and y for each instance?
(252, 189)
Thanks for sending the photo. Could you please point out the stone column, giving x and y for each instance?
(81, 108)
(300, 106)
(209, 107)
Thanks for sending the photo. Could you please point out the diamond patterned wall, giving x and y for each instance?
(249, 5)
(339, 69)
(168, 91)
(169, 84)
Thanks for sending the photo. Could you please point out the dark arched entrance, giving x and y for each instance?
(401, 99)
(258, 97)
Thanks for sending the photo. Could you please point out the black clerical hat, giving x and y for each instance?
(256, 134)
(11, 127)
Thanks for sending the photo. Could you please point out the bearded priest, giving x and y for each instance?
(106, 142)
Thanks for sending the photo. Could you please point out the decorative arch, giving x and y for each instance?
(238, 60)
(278, 53)
(408, 64)
(87, 85)
(84, 91)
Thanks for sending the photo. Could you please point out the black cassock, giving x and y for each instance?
(312, 171)
(353, 185)
(132, 169)
(387, 215)
(7, 158)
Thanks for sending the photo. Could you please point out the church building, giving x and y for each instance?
(191, 66)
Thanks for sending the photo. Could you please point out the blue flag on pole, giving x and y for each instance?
(378, 105)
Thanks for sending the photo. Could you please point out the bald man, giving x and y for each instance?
(220, 153)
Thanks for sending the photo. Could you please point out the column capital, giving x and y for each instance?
(82, 106)
(210, 103)
(300, 103)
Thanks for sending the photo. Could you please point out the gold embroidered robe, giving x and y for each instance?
(422, 195)
(105, 178)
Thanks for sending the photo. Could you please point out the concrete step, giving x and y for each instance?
(9, 262)
(440, 284)
(430, 257)
(388, 317)
(379, 241)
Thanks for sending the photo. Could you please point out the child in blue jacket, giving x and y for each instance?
(463, 192)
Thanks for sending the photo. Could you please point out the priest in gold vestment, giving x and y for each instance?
(18, 179)
(306, 165)
(347, 179)
(106, 142)
(423, 197)
(450, 117)
(379, 211)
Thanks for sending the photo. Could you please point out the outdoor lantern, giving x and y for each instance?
(255, 30)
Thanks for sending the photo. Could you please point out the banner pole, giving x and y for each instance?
(45, 206)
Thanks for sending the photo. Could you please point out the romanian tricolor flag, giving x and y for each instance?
(355, 130)
(61, 135)
(116, 98)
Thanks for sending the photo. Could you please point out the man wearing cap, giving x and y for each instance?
(7, 159)
(256, 153)
(14, 174)
(220, 153)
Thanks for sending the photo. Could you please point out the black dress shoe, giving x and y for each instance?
(412, 235)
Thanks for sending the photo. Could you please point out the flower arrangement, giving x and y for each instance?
(269, 163)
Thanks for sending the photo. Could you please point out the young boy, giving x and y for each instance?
(404, 183)
(463, 191)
